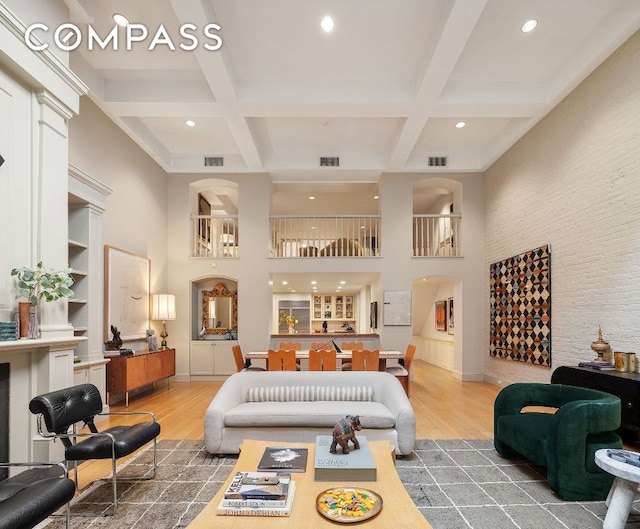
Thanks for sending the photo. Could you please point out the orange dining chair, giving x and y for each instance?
(365, 360)
(241, 363)
(350, 346)
(282, 360)
(296, 346)
(403, 370)
(322, 360)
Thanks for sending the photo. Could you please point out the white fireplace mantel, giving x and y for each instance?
(26, 343)
(36, 366)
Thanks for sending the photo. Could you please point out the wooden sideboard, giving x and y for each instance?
(623, 385)
(126, 373)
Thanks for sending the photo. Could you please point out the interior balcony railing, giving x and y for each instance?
(436, 235)
(325, 236)
(214, 236)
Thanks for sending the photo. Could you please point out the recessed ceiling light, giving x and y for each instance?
(343, 282)
(529, 25)
(376, 197)
(327, 24)
(460, 124)
(312, 197)
(314, 282)
(285, 283)
(190, 123)
(121, 20)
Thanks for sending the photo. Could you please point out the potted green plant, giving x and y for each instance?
(35, 284)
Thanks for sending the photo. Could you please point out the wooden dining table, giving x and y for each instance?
(343, 356)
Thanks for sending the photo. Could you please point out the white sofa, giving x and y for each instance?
(296, 406)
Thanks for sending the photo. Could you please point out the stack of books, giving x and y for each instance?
(258, 494)
(357, 465)
(599, 365)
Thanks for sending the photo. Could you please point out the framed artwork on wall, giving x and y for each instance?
(126, 293)
(520, 307)
(450, 325)
(441, 315)
(396, 307)
(373, 315)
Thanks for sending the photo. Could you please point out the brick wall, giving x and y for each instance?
(574, 182)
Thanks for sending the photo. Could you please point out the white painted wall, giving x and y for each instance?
(574, 182)
(136, 216)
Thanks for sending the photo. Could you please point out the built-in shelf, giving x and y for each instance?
(80, 273)
(75, 301)
(77, 244)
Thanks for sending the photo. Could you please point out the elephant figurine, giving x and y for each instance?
(345, 431)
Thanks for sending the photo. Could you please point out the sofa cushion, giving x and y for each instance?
(527, 434)
(308, 414)
(309, 393)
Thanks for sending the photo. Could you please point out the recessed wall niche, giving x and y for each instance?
(214, 307)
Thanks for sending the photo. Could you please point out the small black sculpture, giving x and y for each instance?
(116, 342)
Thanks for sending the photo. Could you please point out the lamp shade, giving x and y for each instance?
(163, 307)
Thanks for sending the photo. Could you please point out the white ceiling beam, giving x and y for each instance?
(220, 79)
(81, 10)
(459, 26)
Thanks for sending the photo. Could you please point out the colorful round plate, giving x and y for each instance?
(337, 502)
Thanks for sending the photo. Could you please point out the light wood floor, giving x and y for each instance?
(445, 408)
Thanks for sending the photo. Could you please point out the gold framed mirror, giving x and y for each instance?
(219, 310)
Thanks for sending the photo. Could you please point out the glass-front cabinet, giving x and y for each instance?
(337, 310)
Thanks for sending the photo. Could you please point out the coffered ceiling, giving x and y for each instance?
(383, 91)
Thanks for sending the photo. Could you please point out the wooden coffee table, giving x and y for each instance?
(398, 511)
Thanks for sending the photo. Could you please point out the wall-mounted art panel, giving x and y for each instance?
(520, 306)
(126, 288)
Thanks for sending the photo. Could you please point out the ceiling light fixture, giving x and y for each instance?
(460, 124)
(529, 25)
(190, 123)
(327, 24)
(285, 283)
(376, 197)
(312, 197)
(121, 20)
(314, 282)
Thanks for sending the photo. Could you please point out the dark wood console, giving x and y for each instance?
(624, 385)
(126, 373)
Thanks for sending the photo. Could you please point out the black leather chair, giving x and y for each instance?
(25, 501)
(63, 409)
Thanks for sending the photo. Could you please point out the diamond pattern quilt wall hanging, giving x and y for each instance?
(520, 299)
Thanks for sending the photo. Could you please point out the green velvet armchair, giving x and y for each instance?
(565, 441)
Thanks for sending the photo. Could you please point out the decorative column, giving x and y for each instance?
(49, 203)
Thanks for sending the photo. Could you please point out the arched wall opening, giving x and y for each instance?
(436, 301)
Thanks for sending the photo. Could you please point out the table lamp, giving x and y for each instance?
(163, 308)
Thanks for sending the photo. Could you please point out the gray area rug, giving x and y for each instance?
(455, 483)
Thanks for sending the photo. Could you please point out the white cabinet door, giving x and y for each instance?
(223, 363)
(201, 358)
(97, 374)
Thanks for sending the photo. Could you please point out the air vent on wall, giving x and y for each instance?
(437, 161)
(213, 161)
(329, 161)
